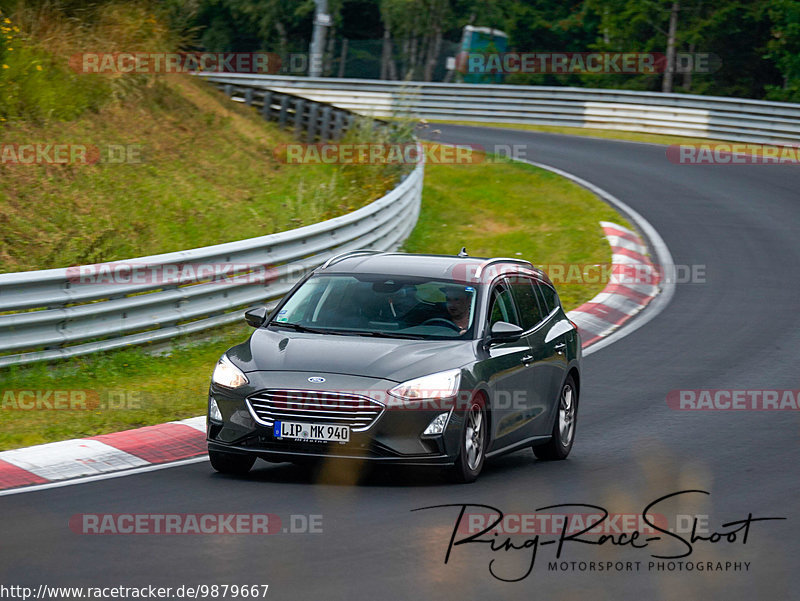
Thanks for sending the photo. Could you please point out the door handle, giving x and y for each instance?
(560, 347)
(527, 359)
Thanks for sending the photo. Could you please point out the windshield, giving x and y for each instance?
(393, 306)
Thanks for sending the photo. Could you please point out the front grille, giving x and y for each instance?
(358, 412)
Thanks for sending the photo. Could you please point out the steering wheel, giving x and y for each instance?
(440, 321)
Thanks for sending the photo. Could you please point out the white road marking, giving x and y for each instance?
(616, 226)
(198, 423)
(71, 459)
(85, 480)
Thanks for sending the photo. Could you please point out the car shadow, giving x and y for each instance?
(354, 473)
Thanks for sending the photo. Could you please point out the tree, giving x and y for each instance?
(783, 48)
(417, 26)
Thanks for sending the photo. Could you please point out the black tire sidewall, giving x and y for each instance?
(566, 449)
(231, 463)
(554, 449)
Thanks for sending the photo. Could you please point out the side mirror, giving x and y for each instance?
(502, 331)
(255, 317)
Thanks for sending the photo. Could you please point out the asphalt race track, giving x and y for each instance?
(736, 330)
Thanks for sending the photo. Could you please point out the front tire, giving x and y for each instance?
(472, 452)
(231, 463)
(563, 436)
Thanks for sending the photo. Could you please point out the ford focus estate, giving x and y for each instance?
(403, 359)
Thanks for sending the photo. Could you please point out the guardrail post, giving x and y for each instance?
(248, 96)
(311, 128)
(338, 125)
(325, 126)
(284, 110)
(299, 109)
(266, 109)
(229, 90)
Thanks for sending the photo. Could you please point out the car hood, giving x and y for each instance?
(385, 358)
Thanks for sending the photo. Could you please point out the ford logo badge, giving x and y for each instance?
(316, 379)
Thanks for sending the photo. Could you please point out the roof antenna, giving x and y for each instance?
(463, 252)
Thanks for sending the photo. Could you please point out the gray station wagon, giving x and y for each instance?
(401, 359)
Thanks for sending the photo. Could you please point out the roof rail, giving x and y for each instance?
(350, 253)
(488, 262)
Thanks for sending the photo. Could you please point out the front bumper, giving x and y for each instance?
(394, 437)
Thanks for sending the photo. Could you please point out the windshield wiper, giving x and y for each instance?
(298, 328)
(390, 335)
(301, 328)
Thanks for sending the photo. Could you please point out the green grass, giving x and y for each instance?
(493, 208)
(207, 175)
(35, 86)
(204, 172)
(155, 389)
(607, 134)
(506, 209)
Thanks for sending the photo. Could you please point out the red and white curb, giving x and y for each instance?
(144, 449)
(98, 455)
(634, 283)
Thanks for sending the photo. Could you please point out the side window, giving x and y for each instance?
(526, 301)
(501, 306)
(549, 297)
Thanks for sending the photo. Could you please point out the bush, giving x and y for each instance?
(789, 93)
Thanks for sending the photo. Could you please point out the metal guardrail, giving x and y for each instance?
(57, 313)
(310, 120)
(736, 119)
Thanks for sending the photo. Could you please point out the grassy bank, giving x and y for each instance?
(203, 172)
(167, 162)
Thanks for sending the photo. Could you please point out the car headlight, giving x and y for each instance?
(228, 375)
(434, 386)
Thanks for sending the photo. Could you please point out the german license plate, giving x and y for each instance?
(311, 432)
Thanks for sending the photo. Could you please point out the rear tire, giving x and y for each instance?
(563, 435)
(231, 463)
(472, 452)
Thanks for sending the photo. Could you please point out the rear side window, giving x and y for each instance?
(501, 306)
(527, 302)
(548, 296)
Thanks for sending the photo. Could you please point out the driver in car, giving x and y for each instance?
(458, 307)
